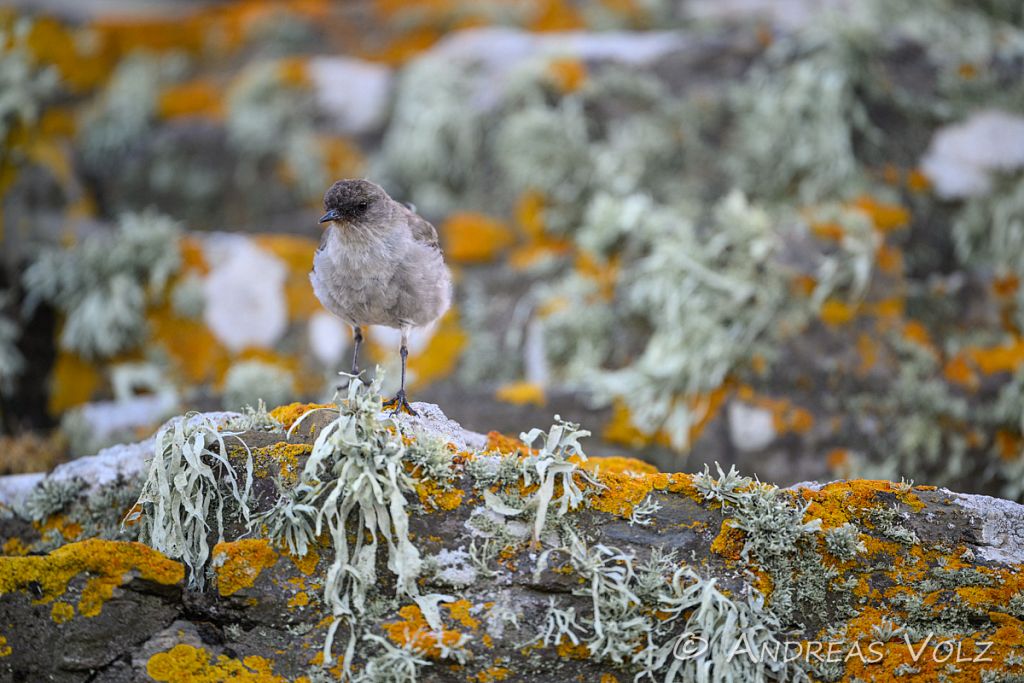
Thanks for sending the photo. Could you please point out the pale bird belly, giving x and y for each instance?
(357, 298)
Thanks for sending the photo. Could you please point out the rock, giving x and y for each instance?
(873, 561)
(497, 52)
(963, 157)
(355, 93)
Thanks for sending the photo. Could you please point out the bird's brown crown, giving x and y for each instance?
(351, 199)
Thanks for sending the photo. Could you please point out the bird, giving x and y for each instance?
(379, 263)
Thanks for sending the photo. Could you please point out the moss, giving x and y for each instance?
(239, 563)
(107, 564)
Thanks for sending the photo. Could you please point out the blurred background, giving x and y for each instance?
(781, 234)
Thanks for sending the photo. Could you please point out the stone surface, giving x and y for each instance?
(263, 611)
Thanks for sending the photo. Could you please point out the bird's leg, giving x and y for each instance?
(399, 402)
(357, 337)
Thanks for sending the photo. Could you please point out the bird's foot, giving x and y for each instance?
(399, 404)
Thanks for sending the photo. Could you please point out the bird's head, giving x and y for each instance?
(355, 204)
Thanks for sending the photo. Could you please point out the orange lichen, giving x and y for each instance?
(289, 414)
(108, 564)
(623, 491)
(1005, 286)
(620, 428)
(567, 650)
(885, 217)
(459, 611)
(603, 273)
(867, 349)
(521, 393)
(306, 564)
(918, 182)
(835, 312)
(442, 352)
(187, 663)
(239, 563)
(201, 98)
(1006, 358)
(280, 460)
(15, 547)
(828, 231)
(729, 542)
(414, 631)
(61, 612)
(619, 465)
(889, 259)
(841, 502)
(958, 371)
(73, 382)
(494, 673)
(915, 332)
(474, 237)
(434, 497)
(300, 599)
(567, 75)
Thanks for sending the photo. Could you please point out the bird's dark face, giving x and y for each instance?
(354, 203)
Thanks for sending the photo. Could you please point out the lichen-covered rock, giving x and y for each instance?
(409, 549)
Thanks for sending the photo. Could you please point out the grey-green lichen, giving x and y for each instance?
(102, 284)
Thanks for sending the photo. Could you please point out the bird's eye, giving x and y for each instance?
(362, 206)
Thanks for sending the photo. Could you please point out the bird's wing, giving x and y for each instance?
(422, 230)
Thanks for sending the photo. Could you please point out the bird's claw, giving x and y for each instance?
(399, 404)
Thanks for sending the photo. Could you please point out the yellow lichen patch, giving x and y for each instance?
(73, 382)
(618, 464)
(494, 673)
(239, 563)
(307, 563)
(202, 98)
(300, 599)
(442, 353)
(61, 612)
(729, 542)
(840, 502)
(289, 414)
(567, 75)
(958, 371)
(106, 563)
(623, 491)
(889, 259)
(915, 332)
(474, 237)
(5, 649)
(1006, 358)
(188, 663)
(835, 312)
(281, 460)
(459, 611)
(191, 348)
(506, 445)
(414, 631)
(521, 393)
(567, 650)
(434, 497)
(885, 217)
(15, 547)
(621, 429)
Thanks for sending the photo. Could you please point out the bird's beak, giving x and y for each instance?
(331, 215)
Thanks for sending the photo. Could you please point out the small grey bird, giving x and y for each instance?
(379, 263)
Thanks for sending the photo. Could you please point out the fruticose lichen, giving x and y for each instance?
(103, 284)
